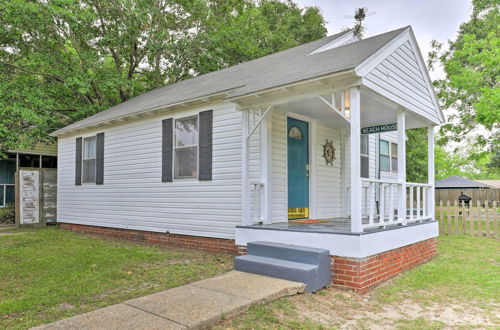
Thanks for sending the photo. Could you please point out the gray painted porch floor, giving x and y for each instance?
(332, 226)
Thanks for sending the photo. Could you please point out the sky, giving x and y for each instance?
(430, 19)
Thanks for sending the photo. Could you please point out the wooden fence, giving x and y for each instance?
(476, 195)
(480, 219)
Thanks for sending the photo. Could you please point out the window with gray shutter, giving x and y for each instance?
(89, 159)
(186, 148)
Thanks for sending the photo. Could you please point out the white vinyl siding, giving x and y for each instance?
(134, 196)
(400, 75)
(328, 177)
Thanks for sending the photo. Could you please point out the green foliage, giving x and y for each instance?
(64, 60)
(416, 155)
(8, 214)
(468, 163)
(472, 65)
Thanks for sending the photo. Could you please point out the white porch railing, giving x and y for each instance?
(257, 208)
(381, 199)
(417, 197)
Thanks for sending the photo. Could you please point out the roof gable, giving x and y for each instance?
(398, 72)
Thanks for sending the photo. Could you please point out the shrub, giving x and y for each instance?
(8, 214)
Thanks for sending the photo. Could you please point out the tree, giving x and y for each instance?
(466, 163)
(472, 66)
(236, 31)
(416, 155)
(63, 60)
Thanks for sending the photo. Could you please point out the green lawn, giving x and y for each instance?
(49, 274)
(459, 288)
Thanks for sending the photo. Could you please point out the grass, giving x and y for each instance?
(466, 268)
(49, 274)
(457, 289)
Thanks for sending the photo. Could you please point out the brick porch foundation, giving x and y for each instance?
(209, 244)
(359, 275)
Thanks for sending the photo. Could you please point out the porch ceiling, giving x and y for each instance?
(316, 109)
(375, 110)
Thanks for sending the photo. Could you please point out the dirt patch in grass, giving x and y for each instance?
(348, 310)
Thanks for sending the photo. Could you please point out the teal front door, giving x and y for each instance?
(298, 169)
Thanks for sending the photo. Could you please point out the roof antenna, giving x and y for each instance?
(359, 16)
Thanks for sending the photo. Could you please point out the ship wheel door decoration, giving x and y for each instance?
(329, 152)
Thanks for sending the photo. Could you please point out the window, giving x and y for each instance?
(388, 157)
(88, 160)
(364, 157)
(394, 157)
(7, 180)
(186, 148)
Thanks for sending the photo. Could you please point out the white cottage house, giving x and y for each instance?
(303, 147)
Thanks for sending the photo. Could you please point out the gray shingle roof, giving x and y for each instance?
(285, 67)
(459, 182)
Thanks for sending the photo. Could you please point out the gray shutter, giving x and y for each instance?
(78, 162)
(205, 145)
(99, 159)
(167, 150)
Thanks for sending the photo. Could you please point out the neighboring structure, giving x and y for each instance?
(236, 155)
(40, 156)
(457, 182)
(449, 189)
(495, 184)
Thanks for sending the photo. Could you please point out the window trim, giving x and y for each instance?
(83, 159)
(390, 155)
(367, 155)
(174, 148)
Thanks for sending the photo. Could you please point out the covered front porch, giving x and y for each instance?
(349, 193)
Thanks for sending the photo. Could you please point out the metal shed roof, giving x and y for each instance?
(459, 182)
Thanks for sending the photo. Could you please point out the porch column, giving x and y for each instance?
(356, 198)
(266, 166)
(430, 172)
(344, 136)
(245, 180)
(401, 122)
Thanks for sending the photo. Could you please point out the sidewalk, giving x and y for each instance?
(194, 305)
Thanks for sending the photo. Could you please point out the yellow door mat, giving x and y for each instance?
(309, 221)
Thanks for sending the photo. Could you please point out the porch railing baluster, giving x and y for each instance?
(418, 203)
(382, 204)
(391, 202)
(371, 201)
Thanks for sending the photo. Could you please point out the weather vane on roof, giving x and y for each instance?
(359, 16)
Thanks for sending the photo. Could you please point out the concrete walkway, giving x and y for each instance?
(195, 305)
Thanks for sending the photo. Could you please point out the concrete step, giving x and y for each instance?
(289, 252)
(290, 262)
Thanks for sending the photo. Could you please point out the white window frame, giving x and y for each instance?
(84, 159)
(365, 156)
(183, 147)
(391, 156)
